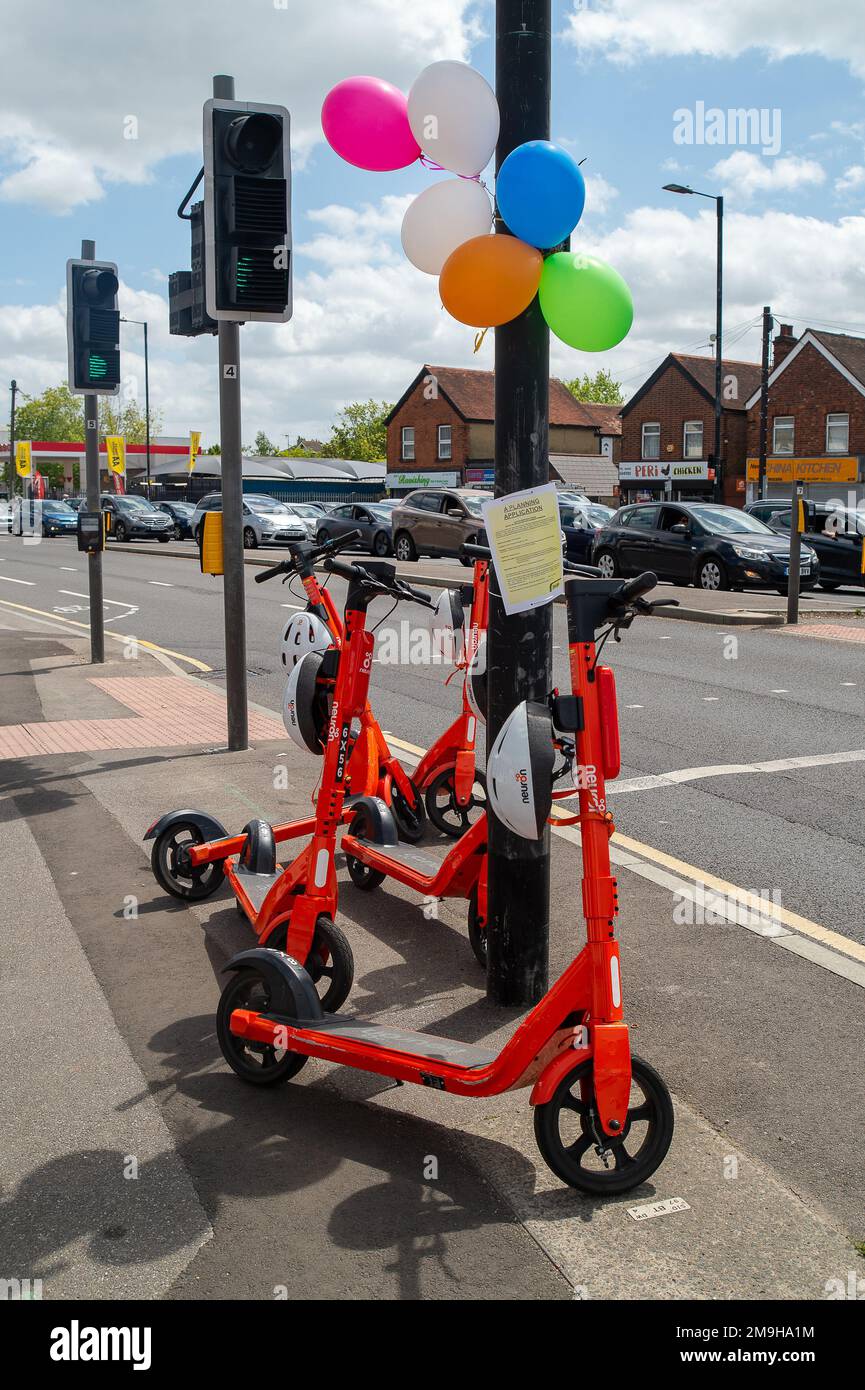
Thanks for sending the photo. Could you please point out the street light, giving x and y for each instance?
(718, 200)
(141, 323)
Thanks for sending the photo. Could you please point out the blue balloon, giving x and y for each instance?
(540, 193)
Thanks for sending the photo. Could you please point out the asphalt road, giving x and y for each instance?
(691, 696)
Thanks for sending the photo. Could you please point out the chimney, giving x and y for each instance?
(784, 342)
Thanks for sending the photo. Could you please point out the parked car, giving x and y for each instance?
(373, 521)
(701, 543)
(580, 524)
(76, 503)
(437, 521)
(134, 518)
(324, 507)
(835, 534)
(181, 516)
(265, 520)
(58, 518)
(308, 514)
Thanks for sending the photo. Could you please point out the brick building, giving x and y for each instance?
(668, 430)
(442, 429)
(816, 416)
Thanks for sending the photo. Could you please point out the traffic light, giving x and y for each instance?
(92, 327)
(187, 314)
(247, 211)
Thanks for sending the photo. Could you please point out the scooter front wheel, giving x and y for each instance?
(171, 867)
(574, 1146)
(258, 1063)
(330, 964)
(410, 820)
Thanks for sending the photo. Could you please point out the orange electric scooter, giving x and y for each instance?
(294, 907)
(603, 1118)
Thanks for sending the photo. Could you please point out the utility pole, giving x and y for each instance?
(10, 465)
(519, 646)
(91, 456)
(764, 400)
(233, 587)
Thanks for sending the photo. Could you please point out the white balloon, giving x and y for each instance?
(454, 116)
(441, 218)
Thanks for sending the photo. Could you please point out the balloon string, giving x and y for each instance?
(479, 338)
(440, 169)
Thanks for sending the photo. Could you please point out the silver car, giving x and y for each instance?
(266, 521)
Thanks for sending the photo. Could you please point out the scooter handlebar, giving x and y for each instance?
(635, 588)
(305, 551)
(475, 552)
(284, 566)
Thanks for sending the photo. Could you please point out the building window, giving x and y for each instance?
(651, 441)
(837, 434)
(693, 446)
(408, 442)
(782, 434)
(445, 442)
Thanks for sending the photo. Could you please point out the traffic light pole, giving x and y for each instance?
(233, 590)
(519, 646)
(91, 455)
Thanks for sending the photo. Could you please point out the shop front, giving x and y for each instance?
(677, 480)
(831, 479)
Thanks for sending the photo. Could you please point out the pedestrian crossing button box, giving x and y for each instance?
(91, 536)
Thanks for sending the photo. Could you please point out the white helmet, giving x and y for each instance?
(476, 682)
(305, 705)
(520, 770)
(304, 633)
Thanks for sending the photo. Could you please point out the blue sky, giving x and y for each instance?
(365, 319)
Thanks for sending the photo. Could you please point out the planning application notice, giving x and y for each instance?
(525, 536)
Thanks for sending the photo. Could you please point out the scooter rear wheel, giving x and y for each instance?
(410, 820)
(445, 811)
(569, 1135)
(258, 1063)
(477, 931)
(174, 874)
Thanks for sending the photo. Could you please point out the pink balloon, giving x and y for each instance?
(364, 119)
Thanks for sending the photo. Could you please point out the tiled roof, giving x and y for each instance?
(849, 351)
(473, 394)
(702, 370)
(590, 473)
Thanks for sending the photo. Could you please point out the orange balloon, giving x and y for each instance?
(490, 280)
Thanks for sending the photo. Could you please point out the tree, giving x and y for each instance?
(360, 432)
(213, 449)
(56, 414)
(128, 420)
(263, 447)
(600, 388)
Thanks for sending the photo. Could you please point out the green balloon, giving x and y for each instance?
(585, 302)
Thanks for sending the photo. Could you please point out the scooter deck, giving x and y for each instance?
(402, 1040)
(255, 886)
(408, 856)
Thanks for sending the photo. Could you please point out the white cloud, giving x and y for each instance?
(66, 136)
(744, 174)
(628, 31)
(851, 181)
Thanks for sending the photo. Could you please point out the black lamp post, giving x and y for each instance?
(141, 323)
(718, 200)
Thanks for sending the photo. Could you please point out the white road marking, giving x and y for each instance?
(70, 569)
(31, 583)
(849, 682)
(634, 706)
(710, 699)
(696, 774)
(160, 584)
(298, 606)
(116, 602)
(780, 692)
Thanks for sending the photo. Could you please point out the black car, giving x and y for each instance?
(181, 515)
(701, 543)
(835, 534)
(581, 522)
(373, 522)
